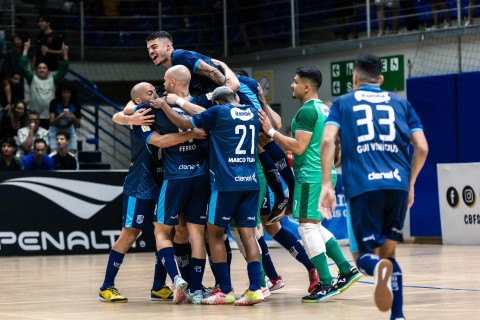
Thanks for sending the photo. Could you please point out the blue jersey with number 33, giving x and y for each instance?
(375, 129)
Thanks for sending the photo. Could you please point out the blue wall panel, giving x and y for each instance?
(468, 117)
(434, 99)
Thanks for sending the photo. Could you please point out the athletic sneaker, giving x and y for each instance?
(218, 297)
(313, 278)
(164, 294)
(276, 284)
(320, 293)
(345, 280)
(207, 292)
(250, 297)
(278, 211)
(383, 294)
(111, 294)
(265, 291)
(179, 290)
(194, 298)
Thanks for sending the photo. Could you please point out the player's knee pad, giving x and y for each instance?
(312, 239)
(326, 234)
(238, 240)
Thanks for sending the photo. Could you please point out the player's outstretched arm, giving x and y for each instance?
(275, 118)
(172, 139)
(138, 118)
(187, 106)
(231, 79)
(179, 121)
(208, 71)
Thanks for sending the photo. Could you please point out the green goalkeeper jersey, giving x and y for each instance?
(310, 118)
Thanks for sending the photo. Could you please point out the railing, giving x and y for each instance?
(220, 28)
(101, 132)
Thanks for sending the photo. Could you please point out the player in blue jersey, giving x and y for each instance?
(206, 75)
(233, 175)
(140, 194)
(307, 128)
(184, 193)
(376, 128)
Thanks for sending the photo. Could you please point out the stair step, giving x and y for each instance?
(94, 166)
(89, 156)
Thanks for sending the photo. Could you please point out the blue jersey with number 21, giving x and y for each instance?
(233, 145)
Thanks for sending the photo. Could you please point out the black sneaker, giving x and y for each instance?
(320, 293)
(278, 211)
(345, 280)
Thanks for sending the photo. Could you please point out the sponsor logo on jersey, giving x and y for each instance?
(371, 237)
(241, 114)
(372, 97)
(189, 166)
(250, 178)
(384, 175)
(146, 128)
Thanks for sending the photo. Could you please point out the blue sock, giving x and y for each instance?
(397, 288)
(280, 159)
(229, 254)
(366, 263)
(220, 270)
(267, 262)
(167, 257)
(197, 268)
(159, 276)
(254, 273)
(183, 252)
(293, 245)
(210, 261)
(115, 260)
(272, 176)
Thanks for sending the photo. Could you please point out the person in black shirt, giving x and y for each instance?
(8, 160)
(63, 159)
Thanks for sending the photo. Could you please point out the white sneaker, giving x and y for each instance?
(266, 292)
(383, 294)
(179, 290)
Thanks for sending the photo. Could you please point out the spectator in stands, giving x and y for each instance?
(48, 45)
(63, 159)
(471, 13)
(38, 160)
(13, 90)
(13, 120)
(3, 53)
(438, 5)
(346, 10)
(12, 63)
(410, 14)
(250, 12)
(8, 160)
(394, 5)
(42, 83)
(31, 132)
(64, 116)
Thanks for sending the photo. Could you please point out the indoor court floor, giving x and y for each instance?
(440, 282)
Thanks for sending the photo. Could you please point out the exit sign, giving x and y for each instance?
(392, 71)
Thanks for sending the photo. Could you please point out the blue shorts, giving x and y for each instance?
(137, 213)
(376, 216)
(239, 205)
(189, 196)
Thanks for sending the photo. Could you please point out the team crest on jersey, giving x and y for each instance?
(140, 219)
(372, 97)
(241, 114)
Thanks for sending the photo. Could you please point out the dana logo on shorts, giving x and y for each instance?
(252, 218)
(140, 219)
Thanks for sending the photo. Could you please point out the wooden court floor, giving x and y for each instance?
(440, 282)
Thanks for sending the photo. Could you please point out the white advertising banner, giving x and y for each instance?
(459, 190)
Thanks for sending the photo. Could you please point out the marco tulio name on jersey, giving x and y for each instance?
(243, 115)
(241, 159)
